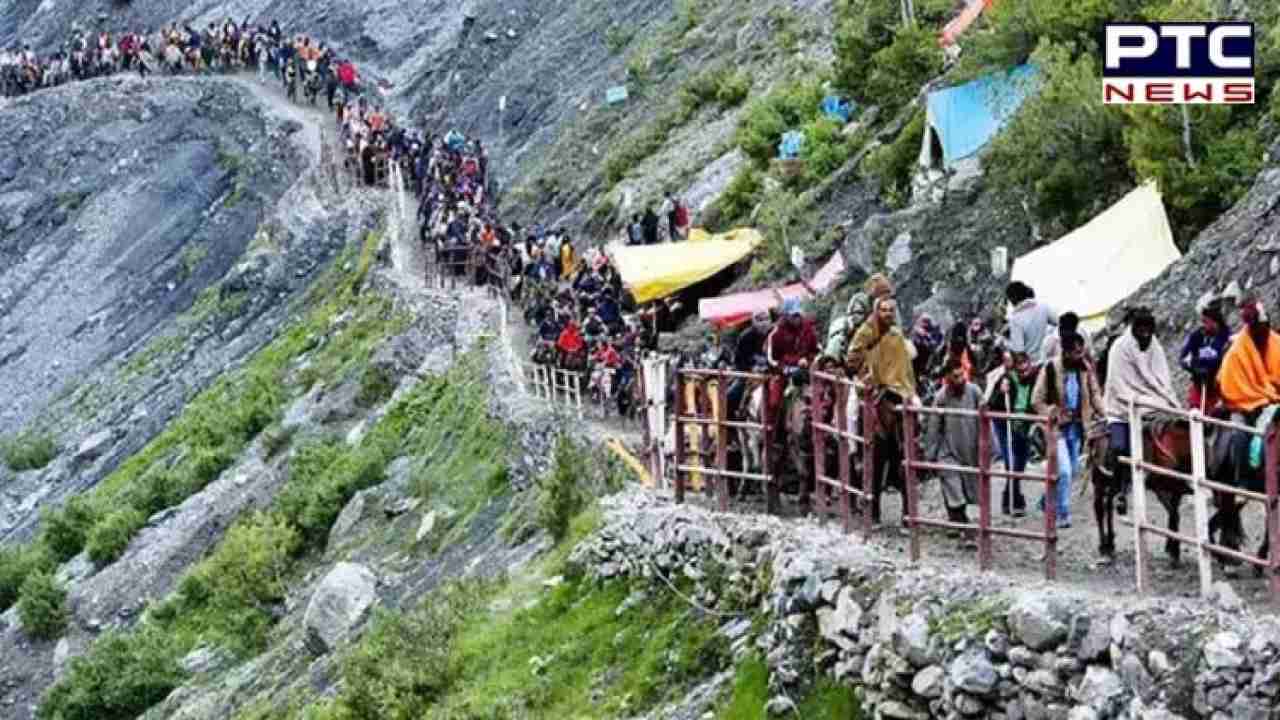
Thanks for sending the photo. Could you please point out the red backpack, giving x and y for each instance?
(682, 215)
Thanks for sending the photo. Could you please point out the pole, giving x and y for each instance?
(1008, 456)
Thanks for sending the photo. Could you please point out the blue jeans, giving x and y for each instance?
(1070, 441)
(1015, 459)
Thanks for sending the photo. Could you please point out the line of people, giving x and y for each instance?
(1041, 363)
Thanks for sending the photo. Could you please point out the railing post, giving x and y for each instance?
(868, 462)
(1139, 475)
(984, 489)
(913, 491)
(772, 493)
(1051, 498)
(1272, 511)
(679, 433)
(842, 453)
(821, 489)
(1199, 503)
(722, 441)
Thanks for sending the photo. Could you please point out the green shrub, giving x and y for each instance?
(901, 69)
(789, 107)
(323, 476)
(560, 495)
(405, 662)
(893, 165)
(825, 150)
(740, 197)
(16, 565)
(1226, 156)
(250, 564)
(205, 465)
(617, 37)
(120, 677)
(64, 530)
(28, 451)
(111, 535)
(1064, 150)
(41, 606)
(157, 489)
(376, 385)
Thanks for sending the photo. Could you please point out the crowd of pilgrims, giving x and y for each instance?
(583, 320)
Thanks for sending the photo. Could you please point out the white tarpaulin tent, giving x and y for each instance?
(1098, 265)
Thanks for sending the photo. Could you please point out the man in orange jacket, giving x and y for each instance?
(1250, 375)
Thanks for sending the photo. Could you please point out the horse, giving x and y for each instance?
(1165, 445)
(1231, 449)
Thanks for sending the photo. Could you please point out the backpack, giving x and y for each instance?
(682, 215)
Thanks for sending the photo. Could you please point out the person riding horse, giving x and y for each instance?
(880, 356)
(791, 345)
(1249, 381)
(1137, 369)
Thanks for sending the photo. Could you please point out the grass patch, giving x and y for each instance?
(828, 700)
(28, 451)
(160, 347)
(969, 621)
(376, 385)
(750, 691)
(571, 655)
(191, 257)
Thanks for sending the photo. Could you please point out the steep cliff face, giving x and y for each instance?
(121, 201)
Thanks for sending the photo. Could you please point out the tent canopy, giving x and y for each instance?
(1098, 265)
(729, 310)
(656, 271)
(966, 117)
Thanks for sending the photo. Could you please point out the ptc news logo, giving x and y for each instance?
(1178, 63)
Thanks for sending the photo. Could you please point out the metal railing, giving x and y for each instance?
(984, 529)
(839, 391)
(1199, 485)
(702, 414)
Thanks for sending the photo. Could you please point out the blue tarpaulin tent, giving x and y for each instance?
(792, 144)
(966, 117)
(837, 108)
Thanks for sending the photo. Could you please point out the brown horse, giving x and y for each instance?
(1164, 445)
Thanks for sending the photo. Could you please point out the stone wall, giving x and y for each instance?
(921, 642)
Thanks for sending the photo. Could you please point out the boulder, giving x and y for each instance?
(1101, 690)
(896, 710)
(1223, 651)
(928, 682)
(355, 511)
(92, 447)
(339, 605)
(205, 659)
(911, 640)
(1038, 622)
(973, 673)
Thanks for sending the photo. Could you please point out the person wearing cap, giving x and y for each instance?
(1202, 355)
(1249, 379)
(1137, 369)
(748, 352)
(859, 309)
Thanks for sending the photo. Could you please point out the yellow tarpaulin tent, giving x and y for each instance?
(1098, 265)
(656, 271)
